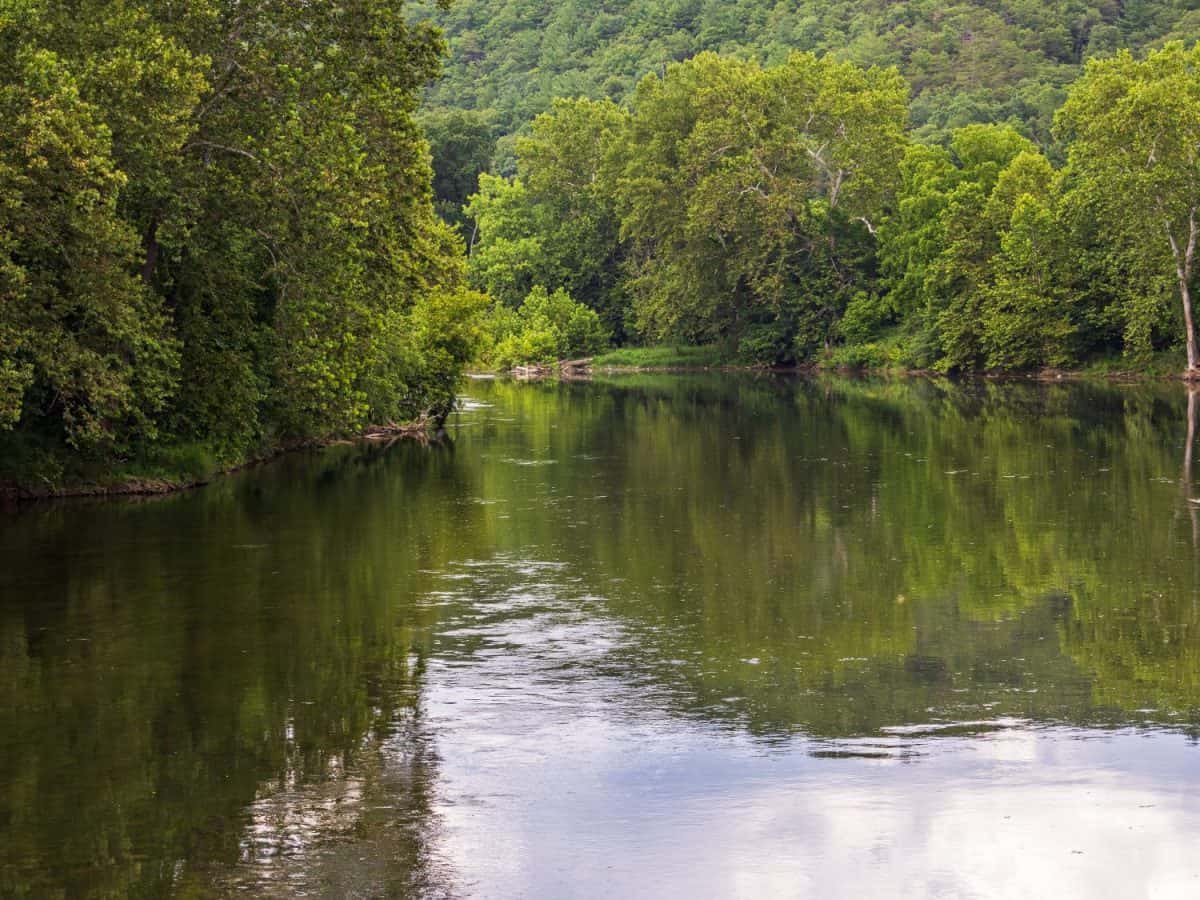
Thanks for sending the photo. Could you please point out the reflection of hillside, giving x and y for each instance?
(208, 667)
(1144, 652)
(882, 552)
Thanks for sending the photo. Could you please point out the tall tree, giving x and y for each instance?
(1134, 132)
(750, 197)
(216, 223)
(462, 143)
(554, 223)
(86, 350)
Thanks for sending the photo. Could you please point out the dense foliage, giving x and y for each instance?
(216, 225)
(968, 61)
(545, 328)
(555, 222)
(787, 214)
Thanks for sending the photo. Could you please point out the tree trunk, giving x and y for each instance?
(1186, 295)
(1190, 442)
(1186, 480)
(1183, 270)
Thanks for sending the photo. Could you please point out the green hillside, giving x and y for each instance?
(791, 214)
(966, 61)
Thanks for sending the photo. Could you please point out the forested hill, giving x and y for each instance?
(981, 61)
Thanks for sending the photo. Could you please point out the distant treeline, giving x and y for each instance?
(968, 61)
(216, 227)
(790, 214)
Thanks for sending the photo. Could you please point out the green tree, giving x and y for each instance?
(1134, 132)
(461, 143)
(976, 255)
(215, 221)
(554, 224)
(749, 196)
(507, 254)
(1027, 304)
(86, 352)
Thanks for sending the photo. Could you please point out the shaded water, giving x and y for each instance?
(656, 637)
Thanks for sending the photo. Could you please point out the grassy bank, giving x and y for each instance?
(880, 358)
(33, 469)
(663, 358)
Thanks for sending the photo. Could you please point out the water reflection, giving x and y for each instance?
(653, 637)
(216, 682)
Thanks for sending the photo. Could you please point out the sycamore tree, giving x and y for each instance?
(751, 197)
(1134, 157)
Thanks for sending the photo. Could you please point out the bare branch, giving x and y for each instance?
(236, 150)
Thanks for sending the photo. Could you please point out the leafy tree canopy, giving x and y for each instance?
(216, 224)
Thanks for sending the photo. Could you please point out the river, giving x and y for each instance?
(650, 636)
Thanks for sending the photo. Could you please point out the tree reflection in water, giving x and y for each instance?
(286, 682)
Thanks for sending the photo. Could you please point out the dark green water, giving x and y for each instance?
(656, 637)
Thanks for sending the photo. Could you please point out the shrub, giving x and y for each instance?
(767, 343)
(862, 356)
(547, 327)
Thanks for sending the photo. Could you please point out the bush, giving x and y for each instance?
(864, 315)
(546, 328)
(874, 355)
(533, 346)
(767, 344)
(420, 354)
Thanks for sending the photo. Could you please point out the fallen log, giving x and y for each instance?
(531, 372)
(567, 368)
(419, 429)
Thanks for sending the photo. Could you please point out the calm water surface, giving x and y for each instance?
(654, 637)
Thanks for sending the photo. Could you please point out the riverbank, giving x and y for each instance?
(40, 473)
(55, 475)
(1160, 367)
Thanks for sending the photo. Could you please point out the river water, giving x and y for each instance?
(656, 636)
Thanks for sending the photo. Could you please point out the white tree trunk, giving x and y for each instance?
(1183, 270)
(1186, 296)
